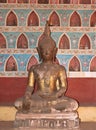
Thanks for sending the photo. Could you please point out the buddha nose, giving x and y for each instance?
(46, 53)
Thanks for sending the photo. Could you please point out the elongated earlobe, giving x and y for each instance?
(54, 54)
(38, 50)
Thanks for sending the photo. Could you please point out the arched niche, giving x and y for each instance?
(3, 1)
(54, 19)
(93, 64)
(33, 1)
(22, 1)
(11, 64)
(93, 20)
(11, 1)
(64, 1)
(93, 1)
(2, 41)
(32, 61)
(74, 1)
(11, 19)
(85, 2)
(53, 1)
(33, 19)
(84, 42)
(22, 42)
(64, 42)
(74, 64)
(43, 1)
(75, 19)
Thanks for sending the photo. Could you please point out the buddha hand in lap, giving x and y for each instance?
(51, 82)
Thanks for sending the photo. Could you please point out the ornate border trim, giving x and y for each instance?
(41, 29)
(47, 6)
(60, 51)
(69, 74)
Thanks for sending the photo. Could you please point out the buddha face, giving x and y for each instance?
(47, 53)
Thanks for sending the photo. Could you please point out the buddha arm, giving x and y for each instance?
(30, 86)
(62, 83)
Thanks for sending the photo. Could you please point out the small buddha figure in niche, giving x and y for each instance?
(51, 82)
(73, 1)
(22, 1)
(2, 1)
(43, 1)
(11, 67)
(64, 2)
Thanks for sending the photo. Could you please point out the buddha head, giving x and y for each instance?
(47, 47)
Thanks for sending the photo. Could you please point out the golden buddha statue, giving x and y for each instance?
(51, 82)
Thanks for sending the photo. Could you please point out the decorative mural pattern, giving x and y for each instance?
(37, 17)
(51, 1)
(29, 40)
(21, 27)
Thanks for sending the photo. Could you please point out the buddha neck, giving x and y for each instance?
(47, 62)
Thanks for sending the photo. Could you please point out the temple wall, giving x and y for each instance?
(82, 89)
(73, 27)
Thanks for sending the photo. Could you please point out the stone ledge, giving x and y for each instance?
(62, 120)
(86, 113)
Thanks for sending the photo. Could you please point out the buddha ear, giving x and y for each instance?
(55, 52)
(39, 53)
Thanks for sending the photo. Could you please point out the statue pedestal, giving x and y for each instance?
(65, 120)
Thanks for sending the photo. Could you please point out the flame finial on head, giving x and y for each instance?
(47, 30)
(46, 39)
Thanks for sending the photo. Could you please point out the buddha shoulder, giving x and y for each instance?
(34, 67)
(59, 67)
